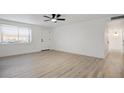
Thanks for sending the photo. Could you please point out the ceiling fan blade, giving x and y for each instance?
(61, 19)
(46, 20)
(53, 15)
(58, 15)
(47, 17)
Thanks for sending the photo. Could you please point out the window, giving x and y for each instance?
(14, 34)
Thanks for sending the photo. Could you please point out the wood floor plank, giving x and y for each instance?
(56, 64)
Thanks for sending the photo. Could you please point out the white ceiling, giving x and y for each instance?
(38, 19)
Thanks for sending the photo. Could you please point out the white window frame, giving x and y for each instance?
(29, 39)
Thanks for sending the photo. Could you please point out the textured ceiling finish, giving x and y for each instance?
(38, 19)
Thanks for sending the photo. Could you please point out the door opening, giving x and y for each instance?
(116, 35)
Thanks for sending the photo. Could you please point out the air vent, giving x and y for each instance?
(117, 17)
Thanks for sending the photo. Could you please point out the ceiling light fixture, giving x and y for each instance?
(53, 20)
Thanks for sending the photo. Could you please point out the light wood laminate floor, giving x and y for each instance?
(56, 64)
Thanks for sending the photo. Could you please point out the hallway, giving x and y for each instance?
(114, 65)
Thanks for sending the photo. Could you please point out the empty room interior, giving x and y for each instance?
(61, 46)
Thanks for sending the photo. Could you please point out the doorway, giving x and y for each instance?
(45, 40)
(116, 36)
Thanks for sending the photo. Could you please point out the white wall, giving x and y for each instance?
(106, 39)
(34, 46)
(85, 38)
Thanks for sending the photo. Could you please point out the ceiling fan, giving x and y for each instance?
(54, 18)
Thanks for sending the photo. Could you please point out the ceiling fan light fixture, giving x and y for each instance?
(53, 20)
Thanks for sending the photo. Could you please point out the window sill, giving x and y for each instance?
(15, 43)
